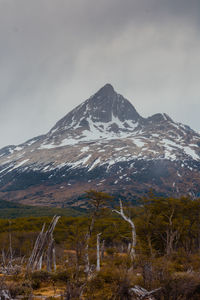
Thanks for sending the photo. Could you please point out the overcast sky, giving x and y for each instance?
(54, 54)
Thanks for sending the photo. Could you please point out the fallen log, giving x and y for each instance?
(141, 294)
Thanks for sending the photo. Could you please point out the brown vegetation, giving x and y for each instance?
(166, 265)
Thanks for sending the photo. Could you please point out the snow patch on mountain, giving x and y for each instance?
(103, 131)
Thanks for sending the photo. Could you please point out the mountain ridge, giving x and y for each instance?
(105, 144)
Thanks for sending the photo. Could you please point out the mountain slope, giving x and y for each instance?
(103, 144)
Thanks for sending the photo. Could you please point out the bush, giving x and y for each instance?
(38, 277)
(17, 289)
(184, 286)
(60, 276)
(41, 275)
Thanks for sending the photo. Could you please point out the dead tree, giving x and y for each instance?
(98, 252)
(5, 294)
(44, 245)
(87, 240)
(50, 251)
(10, 247)
(10, 265)
(97, 201)
(4, 290)
(102, 249)
(172, 235)
(74, 290)
(133, 244)
(54, 258)
(140, 293)
(32, 259)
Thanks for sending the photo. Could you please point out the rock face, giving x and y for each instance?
(106, 145)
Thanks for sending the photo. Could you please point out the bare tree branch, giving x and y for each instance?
(121, 213)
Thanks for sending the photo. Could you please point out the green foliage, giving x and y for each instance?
(165, 224)
(98, 201)
(11, 210)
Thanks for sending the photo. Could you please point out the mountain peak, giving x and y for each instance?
(107, 89)
(105, 106)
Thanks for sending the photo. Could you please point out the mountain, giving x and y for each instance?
(103, 144)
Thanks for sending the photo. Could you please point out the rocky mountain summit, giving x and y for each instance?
(106, 145)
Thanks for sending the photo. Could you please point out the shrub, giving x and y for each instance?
(60, 276)
(184, 287)
(38, 277)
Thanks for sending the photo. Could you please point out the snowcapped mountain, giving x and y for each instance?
(102, 144)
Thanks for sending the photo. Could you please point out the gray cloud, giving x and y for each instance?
(55, 54)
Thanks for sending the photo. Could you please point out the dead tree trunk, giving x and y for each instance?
(5, 295)
(98, 252)
(54, 257)
(44, 245)
(10, 249)
(50, 255)
(97, 201)
(87, 240)
(133, 244)
(102, 249)
(35, 249)
(172, 234)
